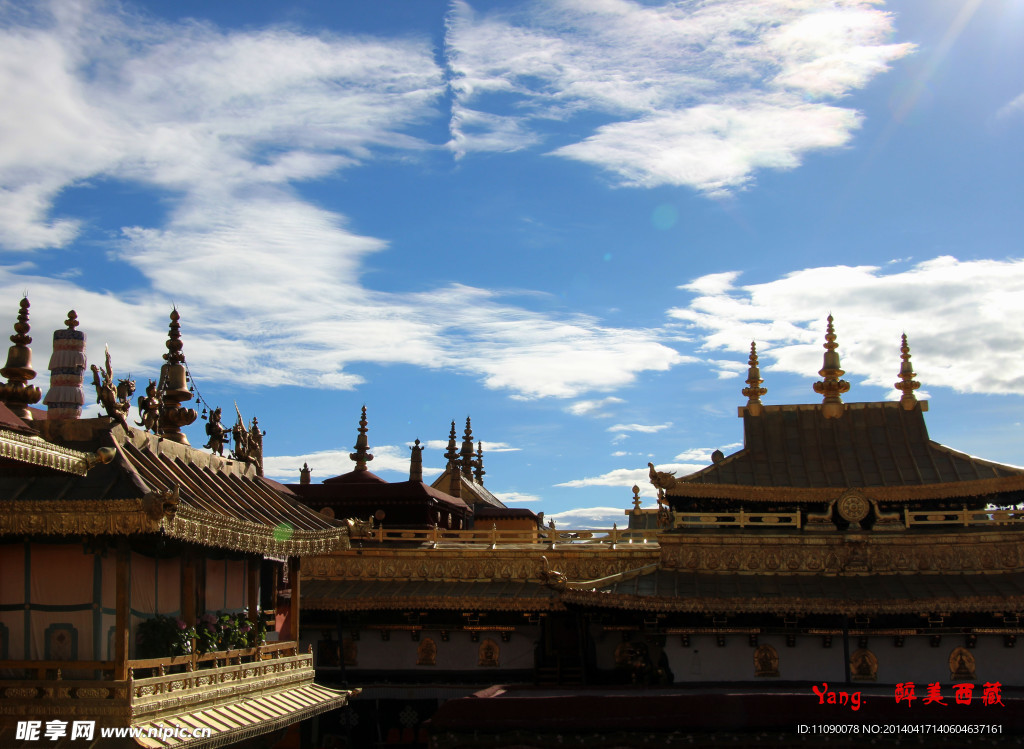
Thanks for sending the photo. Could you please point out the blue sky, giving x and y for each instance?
(566, 219)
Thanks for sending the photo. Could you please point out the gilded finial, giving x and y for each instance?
(174, 389)
(72, 321)
(17, 394)
(831, 387)
(416, 462)
(305, 473)
(452, 453)
(478, 464)
(754, 391)
(362, 451)
(907, 384)
(636, 500)
(467, 451)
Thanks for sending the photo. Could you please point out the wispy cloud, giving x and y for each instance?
(699, 94)
(517, 498)
(589, 517)
(592, 407)
(644, 428)
(628, 477)
(954, 313)
(224, 126)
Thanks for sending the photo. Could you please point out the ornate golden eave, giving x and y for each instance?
(38, 452)
(208, 529)
(114, 517)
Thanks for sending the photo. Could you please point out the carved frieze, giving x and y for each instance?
(848, 553)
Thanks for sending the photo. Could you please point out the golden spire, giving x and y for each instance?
(831, 387)
(452, 453)
(478, 464)
(174, 387)
(17, 394)
(416, 462)
(907, 384)
(754, 391)
(467, 451)
(362, 451)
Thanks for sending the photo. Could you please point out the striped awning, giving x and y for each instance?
(240, 720)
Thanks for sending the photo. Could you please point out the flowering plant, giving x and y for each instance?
(164, 635)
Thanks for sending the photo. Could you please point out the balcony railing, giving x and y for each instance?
(153, 686)
(493, 538)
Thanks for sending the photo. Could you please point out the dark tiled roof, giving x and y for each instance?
(673, 590)
(487, 595)
(487, 511)
(356, 477)
(356, 495)
(871, 445)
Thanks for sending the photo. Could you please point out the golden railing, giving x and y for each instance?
(494, 537)
(963, 517)
(740, 519)
(154, 685)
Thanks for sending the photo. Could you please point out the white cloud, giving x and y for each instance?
(644, 428)
(629, 477)
(516, 498)
(221, 126)
(589, 517)
(698, 94)
(592, 407)
(954, 313)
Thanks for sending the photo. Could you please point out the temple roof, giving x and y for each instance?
(353, 494)
(872, 445)
(155, 485)
(472, 492)
(653, 589)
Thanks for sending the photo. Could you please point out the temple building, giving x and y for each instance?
(139, 573)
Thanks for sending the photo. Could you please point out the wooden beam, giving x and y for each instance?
(294, 564)
(122, 613)
(252, 568)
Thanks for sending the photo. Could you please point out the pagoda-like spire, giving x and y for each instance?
(754, 391)
(17, 394)
(452, 453)
(416, 462)
(362, 455)
(173, 388)
(65, 397)
(907, 384)
(467, 451)
(831, 387)
(478, 464)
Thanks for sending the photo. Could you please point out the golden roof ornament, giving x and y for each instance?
(174, 389)
(17, 394)
(467, 451)
(451, 454)
(907, 384)
(831, 387)
(362, 451)
(478, 464)
(754, 391)
(115, 399)
(304, 473)
(65, 398)
(416, 462)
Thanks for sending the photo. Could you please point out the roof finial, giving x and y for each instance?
(362, 451)
(17, 394)
(304, 473)
(907, 384)
(174, 389)
(65, 397)
(754, 391)
(416, 462)
(467, 451)
(478, 464)
(831, 387)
